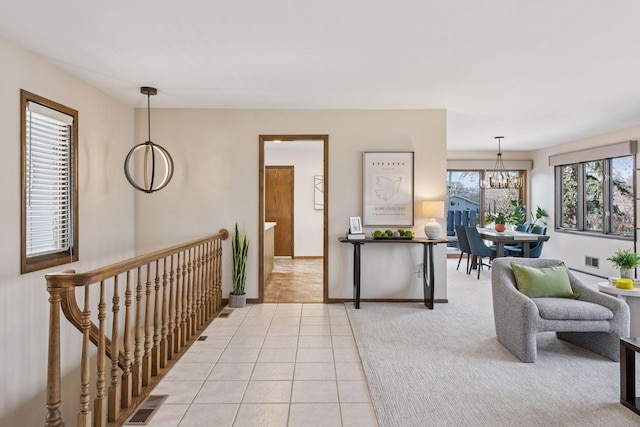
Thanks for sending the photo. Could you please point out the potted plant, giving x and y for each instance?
(625, 260)
(500, 219)
(239, 250)
(519, 214)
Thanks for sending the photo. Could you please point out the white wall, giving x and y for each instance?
(106, 228)
(306, 157)
(568, 247)
(216, 184)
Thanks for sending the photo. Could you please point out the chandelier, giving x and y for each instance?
(499, 176)
(154, 163)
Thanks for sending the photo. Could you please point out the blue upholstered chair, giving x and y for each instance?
(478, 249)
(518, 246)
(534, 252)
(463, 245)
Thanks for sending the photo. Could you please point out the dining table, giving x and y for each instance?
(511, 237)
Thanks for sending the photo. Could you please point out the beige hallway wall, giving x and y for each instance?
(106, 228)
(216, 184)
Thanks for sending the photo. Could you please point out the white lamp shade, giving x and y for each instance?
(432, 209)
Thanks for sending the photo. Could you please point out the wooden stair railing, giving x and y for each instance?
(169, 296)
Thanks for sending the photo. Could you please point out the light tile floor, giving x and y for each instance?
(270, 365)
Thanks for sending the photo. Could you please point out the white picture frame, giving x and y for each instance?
(355, 225)
(318, 192)
(387, 196)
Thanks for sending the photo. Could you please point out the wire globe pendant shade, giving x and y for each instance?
(499, 176)
(153, 163)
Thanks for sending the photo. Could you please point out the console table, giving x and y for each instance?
(428, 278)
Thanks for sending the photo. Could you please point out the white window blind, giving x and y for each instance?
(48, 181)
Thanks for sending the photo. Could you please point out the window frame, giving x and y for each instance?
(607, 194)
(39, 262)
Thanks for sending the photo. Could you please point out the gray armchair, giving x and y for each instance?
(594, 320)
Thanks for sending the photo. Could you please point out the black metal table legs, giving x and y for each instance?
(428, 276)
(356, 274)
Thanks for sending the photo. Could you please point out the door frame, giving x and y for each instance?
(325, 232)
(293, 204)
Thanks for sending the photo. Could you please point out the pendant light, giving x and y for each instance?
(154, 165)
(499, 177)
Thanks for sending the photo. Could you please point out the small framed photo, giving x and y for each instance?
(355, 225)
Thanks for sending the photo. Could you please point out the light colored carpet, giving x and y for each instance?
(445, 367)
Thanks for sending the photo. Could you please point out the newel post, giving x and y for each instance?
(54, 399)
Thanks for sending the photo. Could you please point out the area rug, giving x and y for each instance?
(445, 367)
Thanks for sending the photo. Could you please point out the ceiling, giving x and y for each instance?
(537, 72)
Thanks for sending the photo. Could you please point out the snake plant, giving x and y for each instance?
(239, 249)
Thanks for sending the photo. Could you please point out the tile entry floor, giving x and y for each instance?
(270, 365)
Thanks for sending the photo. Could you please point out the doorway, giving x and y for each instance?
(279, 207)
(297, 258)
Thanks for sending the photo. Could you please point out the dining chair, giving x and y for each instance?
(517, 246)
(539, 229)
(463, 245)
(478, 249)
(535, 251)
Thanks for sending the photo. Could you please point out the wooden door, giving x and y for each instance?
(278, 205)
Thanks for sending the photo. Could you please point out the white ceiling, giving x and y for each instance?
(538, 72)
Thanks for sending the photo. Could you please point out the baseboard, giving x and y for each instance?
(225, 301)
(588, 273)
(307, 257)
(343, 300)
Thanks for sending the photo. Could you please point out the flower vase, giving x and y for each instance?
(500, 228)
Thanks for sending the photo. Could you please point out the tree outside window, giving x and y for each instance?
(569, 189)
(594, 195)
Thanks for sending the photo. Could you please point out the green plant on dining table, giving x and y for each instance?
(499, 218)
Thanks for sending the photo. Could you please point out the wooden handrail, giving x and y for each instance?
(65, 279)
(157, 302)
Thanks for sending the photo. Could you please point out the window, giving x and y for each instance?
(49, 135)
(596, 197)
(464, 193)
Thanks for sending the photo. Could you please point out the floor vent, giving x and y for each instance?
(202, 338)
(591, 261)
(145, 411)
(225, 313)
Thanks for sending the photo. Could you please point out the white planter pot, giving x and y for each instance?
(626, 272)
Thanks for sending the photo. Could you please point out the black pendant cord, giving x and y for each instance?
(149, 115)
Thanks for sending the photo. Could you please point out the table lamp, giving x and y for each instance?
(432, 209)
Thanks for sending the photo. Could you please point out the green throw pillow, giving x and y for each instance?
(543, 282)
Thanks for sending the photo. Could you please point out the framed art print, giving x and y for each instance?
(387, 196)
